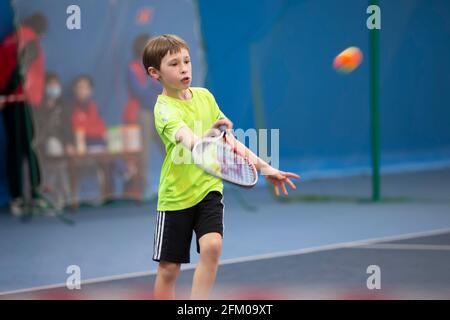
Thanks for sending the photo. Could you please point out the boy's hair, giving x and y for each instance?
(158, 47)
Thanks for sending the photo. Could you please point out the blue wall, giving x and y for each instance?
(323, 116)
(415, 75)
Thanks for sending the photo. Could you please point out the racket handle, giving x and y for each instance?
(223, 128)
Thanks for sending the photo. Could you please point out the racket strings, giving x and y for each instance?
(235, 166)
(219, 158)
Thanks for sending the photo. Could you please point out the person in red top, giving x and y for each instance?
(23, 68)
(22, 80)
(87, 124)
(90, 132)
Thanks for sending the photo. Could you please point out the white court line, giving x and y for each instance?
(393, 246)
(191, 266)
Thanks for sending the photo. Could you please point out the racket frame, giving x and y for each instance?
(222, 135)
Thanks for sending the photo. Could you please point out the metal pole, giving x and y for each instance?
(374, 109)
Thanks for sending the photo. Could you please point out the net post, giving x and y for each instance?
(374, 109)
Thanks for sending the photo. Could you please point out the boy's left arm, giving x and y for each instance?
(276, 177)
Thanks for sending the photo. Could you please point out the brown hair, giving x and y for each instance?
(157, 48)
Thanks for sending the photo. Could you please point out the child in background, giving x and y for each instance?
(54, 139)
(90, 131)
(87, 124)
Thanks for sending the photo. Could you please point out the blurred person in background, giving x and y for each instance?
(22, 86)
(87, 124)
(90, 130)
(54, 140)
(142, 94)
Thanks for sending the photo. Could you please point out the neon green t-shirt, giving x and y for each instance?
(182, 184)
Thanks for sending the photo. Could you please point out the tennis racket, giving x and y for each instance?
(217, 156)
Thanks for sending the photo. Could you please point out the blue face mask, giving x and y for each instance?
(53, 92)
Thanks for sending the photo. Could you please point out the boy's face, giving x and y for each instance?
(83, 90)
(176, 70)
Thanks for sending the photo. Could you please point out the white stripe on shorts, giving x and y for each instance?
(159, 240)
(156, 236)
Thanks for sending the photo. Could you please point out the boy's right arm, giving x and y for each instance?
(278, 178)
(187, 137)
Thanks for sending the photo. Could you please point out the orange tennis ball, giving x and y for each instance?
(348, 60)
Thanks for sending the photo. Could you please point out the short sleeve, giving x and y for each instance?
(218, 114)
(167, 121)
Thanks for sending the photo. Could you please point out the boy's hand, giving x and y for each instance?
(214, 131)
(279, 178)
(223, 122)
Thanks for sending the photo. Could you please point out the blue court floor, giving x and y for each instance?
(320, 244)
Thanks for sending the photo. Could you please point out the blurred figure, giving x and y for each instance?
(87, 124)
(142, 94)
(90, 131)
(22, 83)
(54, 140)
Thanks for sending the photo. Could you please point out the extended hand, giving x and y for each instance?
(279, 179)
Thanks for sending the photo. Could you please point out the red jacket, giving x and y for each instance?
(35, 75)
(88, 119)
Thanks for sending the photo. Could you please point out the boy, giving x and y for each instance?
(188, 198)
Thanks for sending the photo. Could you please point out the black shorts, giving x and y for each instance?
(173, 230)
